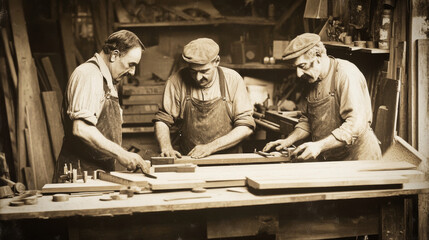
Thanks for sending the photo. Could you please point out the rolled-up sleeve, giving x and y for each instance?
(170, 107)
(85, 94)
(355, 106)
(303, 120)
(242, 108)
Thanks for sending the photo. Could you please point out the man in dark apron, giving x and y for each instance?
(337, 110)
(92, 117)
(209, 103)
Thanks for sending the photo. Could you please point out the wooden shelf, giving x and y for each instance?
(227, 20)
(257, 66)
(341, 46)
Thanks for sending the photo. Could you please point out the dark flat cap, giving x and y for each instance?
(200, 51)
(299, 45)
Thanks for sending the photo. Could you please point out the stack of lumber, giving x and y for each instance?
(33, 98)
(141, 103)
(318, 175)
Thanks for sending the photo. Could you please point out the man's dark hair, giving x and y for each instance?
(122, 41)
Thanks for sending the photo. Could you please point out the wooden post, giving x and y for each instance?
(422, 96)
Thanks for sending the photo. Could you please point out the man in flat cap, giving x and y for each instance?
(209, 103)
(337, 110)
(92, 116)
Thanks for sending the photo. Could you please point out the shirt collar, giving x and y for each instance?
(106, 74)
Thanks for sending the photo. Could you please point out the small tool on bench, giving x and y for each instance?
(139, 167)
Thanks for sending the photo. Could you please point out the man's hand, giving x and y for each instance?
(278, 144)
(201, 151)
(145, 166)
(309, 151)
(170, 152)
(130, 161)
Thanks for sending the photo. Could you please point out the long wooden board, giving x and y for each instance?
(235, 175)
(89, 186)
(53, 81)
(55, 125)
(218, 159)
(141, 109)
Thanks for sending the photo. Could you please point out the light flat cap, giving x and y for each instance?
(200, 51)
(299, 45)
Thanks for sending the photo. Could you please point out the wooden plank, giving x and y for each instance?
(9, 57)
(68, 42)
(138, 129)
(402, 76)
(28, 95)
(139, 109)
(89, 186)
(422, 95)
(55, 125)
(30, 172)
(388, 97)
(43, 170)
(142, 90)
(53, 81)
(423, 216)
(10, 110)
(219, 159)
(142, 118)
(143, 99)
(187, 167)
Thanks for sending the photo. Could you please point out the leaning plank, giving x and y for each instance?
(225, 159)
(422, 95)
(10, 109)
(29, 172)
(43, 171)
(89, 186)
(9, 57)
(53, 81)
(55, 126)
(68, 42)
(28, 95)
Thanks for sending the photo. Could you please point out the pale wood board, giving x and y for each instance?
(55, 125)
(217, 159)
(235, 175)
(80, 186)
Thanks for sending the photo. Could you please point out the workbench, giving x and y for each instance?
(226, 212)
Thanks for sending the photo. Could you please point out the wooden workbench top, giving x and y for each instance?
(159, 202)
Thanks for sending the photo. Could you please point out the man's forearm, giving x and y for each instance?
(296, 135)
(93, 137)
(162, 132)
(232, 138)
(329, 142)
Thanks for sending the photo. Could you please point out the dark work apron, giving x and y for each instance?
(204, 121)
(109, 124)
(324, 117)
